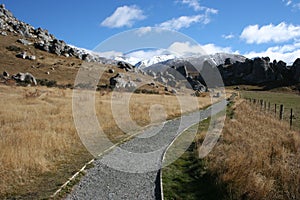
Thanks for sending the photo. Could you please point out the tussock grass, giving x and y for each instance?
(39, 144)
(257, 157)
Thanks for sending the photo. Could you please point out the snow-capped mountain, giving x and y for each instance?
(154, 60)
(169, 59)
(215, 59)
(130, 60)
(143, 63)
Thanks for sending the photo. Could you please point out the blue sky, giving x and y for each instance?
(252, 28)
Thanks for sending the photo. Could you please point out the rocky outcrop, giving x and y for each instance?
(119, 81)
(259, 71)
(125, 66)
(296, 70)
(196, 85)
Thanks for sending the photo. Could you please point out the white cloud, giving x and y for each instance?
(229, 36)
(124, 16)
(143, 30)
(187, 49)
(287, 2)
(197, 7)
(212, 49)
(109, 54)
(297, 6)
(181, 22)
(147, 54)
(287, 53)
(192, 3)
(175, 24)
(270, 33)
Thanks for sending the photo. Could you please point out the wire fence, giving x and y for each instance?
(278, 110)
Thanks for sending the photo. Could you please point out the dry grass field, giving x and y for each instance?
(257, 157)
(39, 144)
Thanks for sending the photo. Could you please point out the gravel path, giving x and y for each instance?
(131, 170)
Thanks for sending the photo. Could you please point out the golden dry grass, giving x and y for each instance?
(257, 157)
(39, 144)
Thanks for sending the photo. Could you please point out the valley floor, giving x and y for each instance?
(40, 147)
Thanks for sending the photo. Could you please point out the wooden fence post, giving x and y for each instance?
(265, 105)
(269, 106)
(281, 112)
(291, 118)
(275, 109)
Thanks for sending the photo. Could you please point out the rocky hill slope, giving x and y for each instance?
(34, 56)
(41, 38)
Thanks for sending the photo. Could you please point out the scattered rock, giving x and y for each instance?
(87, 57)
(111, 71)
(172, 83)
(130, 85)
(152, 84)
(24, 42)
(22, 55)
(31, 57)
(5, 74)
(217, 95)
(161, 80)
(151, 73)
(47, 73)
(169, 76)
(3, 33)
(173, 91)
(125, 66)
(25, 77)
(138, 80)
